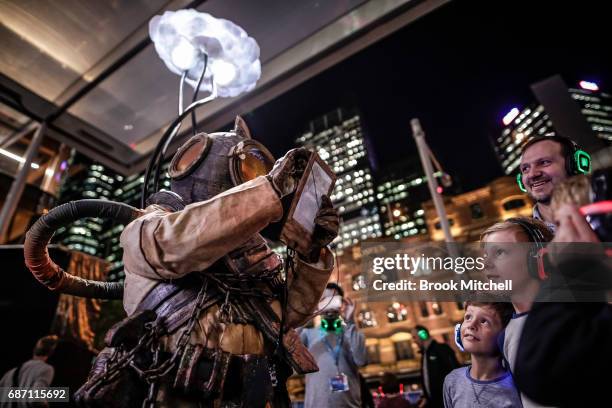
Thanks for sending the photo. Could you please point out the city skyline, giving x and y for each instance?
(444, 71)
(592, 107)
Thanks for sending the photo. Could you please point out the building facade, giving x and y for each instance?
(470, 213)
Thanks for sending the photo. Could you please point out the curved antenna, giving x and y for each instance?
(190, 108)
(194, 121)
(154, 164)
(164, 141)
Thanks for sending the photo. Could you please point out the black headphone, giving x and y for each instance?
(535, 256)
(577, 161)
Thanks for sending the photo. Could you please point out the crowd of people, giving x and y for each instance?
(529, 352)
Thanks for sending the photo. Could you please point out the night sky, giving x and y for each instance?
(459, 70)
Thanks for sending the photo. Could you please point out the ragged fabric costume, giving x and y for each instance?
(207, 299)
(219, 238)
(216, 236)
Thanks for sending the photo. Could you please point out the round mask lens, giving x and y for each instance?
(254, 163)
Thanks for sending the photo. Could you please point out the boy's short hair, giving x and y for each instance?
(504, 310)
(390, 383)
(506, 225)
(45, 346)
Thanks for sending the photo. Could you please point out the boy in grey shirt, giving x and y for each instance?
(485, 383)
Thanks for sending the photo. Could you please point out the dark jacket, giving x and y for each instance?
(395, 402)
(565, 352)
(566, 346)
(440, 361)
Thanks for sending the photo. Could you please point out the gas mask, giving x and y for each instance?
(209, 164)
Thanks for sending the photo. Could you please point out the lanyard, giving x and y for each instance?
(336, 350)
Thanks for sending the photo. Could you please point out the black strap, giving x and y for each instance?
(14, 404)
(16, 375)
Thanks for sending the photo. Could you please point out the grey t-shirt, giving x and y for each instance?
(353, 355)
(512, 337)
(462, 391)
(33, 374)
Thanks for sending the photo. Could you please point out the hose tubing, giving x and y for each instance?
(48, 272)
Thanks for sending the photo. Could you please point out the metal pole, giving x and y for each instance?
(419, 138)
(15, 137)
(14, 194)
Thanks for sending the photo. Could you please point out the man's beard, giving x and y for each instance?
(544, 200)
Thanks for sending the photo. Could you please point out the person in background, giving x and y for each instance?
(485, 383)
(393, 397)
(34, 373)
(366, 395)
(339, 350)
(437, 360)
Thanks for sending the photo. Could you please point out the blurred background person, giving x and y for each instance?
(339, 349)
(393, 397)
(367, 401)
(34, 373)
(437, 360)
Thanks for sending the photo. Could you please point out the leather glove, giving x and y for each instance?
(287, 171)
(327, 224)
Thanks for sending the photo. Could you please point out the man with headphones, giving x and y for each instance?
(339, 350)
(437, 360)
(545, 162)
(570, 341)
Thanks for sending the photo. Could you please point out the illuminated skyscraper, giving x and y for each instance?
(96, 236)
(88, 180)
(400, 192)
(338, 138)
